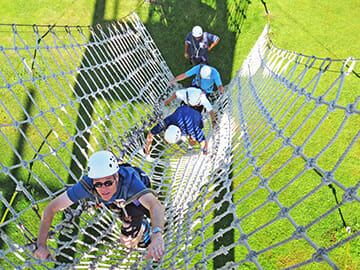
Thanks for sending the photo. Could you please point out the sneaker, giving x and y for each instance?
(146, 239)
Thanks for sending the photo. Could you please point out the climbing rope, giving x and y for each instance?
(288, 130)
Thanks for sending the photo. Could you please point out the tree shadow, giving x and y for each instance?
(86, 83)
(169, 22)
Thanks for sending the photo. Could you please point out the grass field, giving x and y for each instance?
(324, 29)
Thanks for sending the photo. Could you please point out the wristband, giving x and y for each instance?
(204, 150)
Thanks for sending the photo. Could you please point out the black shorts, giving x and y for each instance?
(133, 218)
(199, 108)
(198, 60)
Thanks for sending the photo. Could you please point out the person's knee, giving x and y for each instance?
(131, 235)
(127, 241)
(131, 229)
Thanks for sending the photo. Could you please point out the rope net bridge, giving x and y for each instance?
(279, 188)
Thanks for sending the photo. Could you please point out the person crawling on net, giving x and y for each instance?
(112, 185)
(184, 123)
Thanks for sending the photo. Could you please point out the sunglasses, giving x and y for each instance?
(106, 184)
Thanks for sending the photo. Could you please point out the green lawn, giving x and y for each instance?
(324, 29)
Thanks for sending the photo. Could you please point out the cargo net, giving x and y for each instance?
(278, 189)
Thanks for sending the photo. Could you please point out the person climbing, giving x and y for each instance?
(185, 122)
(205, 78)
(198, 44)
(112, 185)
(195, 98)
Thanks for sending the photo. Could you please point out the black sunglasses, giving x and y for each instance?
(106, 184)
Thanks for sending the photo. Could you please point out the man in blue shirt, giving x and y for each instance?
(205, 78)
(199, 44)
(112, 185)
(185, 121)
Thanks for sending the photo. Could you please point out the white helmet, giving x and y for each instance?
(197, 31)
(172, 134)
(193, 96)
(205, 72)
(102, 164)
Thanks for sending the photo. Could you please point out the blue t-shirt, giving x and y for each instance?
(200, 47)
(206, 84)
(187, 119)
(129, 185)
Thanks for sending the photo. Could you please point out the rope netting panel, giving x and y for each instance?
(278, 189)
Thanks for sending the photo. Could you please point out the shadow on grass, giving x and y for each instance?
(169, 22)
(86, 83)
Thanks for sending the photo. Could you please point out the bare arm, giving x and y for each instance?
(203, 145)
(221, 89)
(48, 214)
(173, 96)
(157, 210)
(186, 54)
(178, 78)
(213, 44)
(213, 118)
(149, 140)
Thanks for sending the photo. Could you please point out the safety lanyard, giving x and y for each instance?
(199, 77)
(197, 50)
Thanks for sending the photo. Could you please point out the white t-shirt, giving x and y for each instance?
(181, 94)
